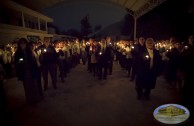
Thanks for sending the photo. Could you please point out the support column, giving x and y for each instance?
(135, 27)
(23, 22)
(38, 23)
(46, 26)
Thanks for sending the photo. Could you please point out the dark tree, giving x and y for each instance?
(97, 28)
(73, 32)
(86, 28)
(128, 24)
(51, 25)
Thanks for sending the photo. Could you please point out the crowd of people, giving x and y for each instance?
(143, 59)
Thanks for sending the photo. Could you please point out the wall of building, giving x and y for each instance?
(17, 21)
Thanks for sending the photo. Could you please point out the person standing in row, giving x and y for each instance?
(27, 68)
(38, 74)
(148, 68)
(110, 52)
(137, 47)
(48, 60)
(187, 70)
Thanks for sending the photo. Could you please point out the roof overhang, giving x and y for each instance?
(136, 8)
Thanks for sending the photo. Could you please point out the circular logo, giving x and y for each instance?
(171, 114)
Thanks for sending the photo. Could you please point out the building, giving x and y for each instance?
(17, 21)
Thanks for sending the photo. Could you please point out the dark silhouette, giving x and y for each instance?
(97, 28)
(128, 25)
(86, 28)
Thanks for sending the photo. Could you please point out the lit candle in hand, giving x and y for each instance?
(147, 57)
(21, 60)
(90, 48)
(170, 47)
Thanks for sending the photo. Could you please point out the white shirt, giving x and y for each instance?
(151, 55)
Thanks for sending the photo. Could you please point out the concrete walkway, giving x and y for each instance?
(85, 101)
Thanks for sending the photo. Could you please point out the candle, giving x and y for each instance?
(45, 50)
(147, 57)
(132, 47)
(39, 52)
(100, 53)
(21, 59)
(186, 47)
(90, 48)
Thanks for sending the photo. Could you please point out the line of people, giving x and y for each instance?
(100, 57)
(174, 62)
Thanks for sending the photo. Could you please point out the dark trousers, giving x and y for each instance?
(133, 72)
(89, 64)
(68, 63)
(110, 66)
(94, 68)
(52, 69)
(62, 71)
(102, 72)
(129, 65)
(143, 91)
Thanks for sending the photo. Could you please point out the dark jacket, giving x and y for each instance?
(26, 64)
(48, 55)
(146, 76)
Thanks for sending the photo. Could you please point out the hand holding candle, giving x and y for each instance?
(147, 57)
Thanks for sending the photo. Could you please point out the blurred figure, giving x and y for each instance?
(110, 53)
(102, 58)
(37, 54)
(148, 68)
(138, 45)
(129, 57)
(48, 60)
(173, 64)
(83, 53)
(27, 68)
(7, 59)
(187, 69)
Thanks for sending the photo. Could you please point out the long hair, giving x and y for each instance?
(21, 52)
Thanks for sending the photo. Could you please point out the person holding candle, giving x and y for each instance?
(137, 47)
(148, 68)
(27, 70)
(173, 64)
(186, 69)
(48, 60)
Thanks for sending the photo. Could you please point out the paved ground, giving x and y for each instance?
(84, 101)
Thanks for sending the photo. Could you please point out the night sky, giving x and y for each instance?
(68, 16)
(172, 18)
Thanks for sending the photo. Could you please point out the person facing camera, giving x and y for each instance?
(148, 68)
(27, 68)
(48, 60)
